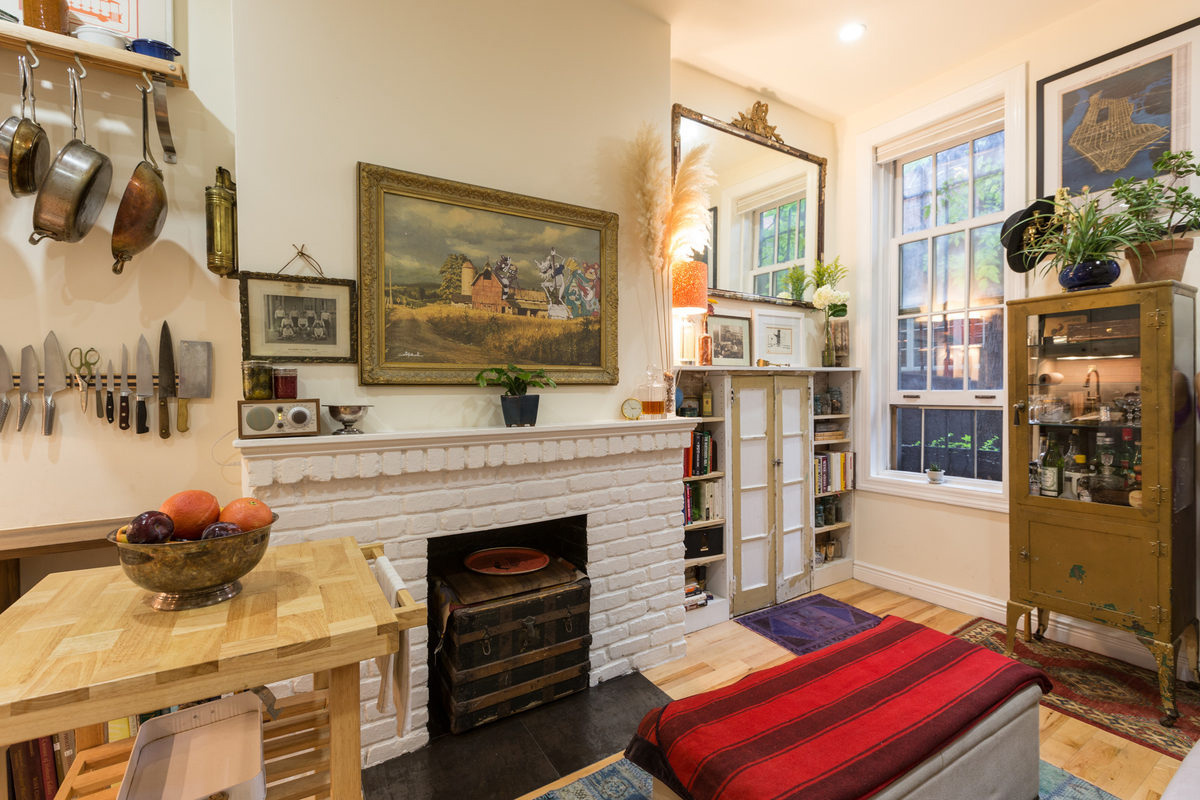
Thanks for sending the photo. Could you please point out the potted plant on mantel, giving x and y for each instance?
(519, 407)
(1165, 209)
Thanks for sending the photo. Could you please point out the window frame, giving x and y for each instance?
(752, 268)
(879, 288)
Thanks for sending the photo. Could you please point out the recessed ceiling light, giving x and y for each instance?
(852, 31)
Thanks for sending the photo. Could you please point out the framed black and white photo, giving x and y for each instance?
(777, 338)
(731, 340)
(1112, 116)
(295, 318)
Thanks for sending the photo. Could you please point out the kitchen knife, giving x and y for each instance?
(54, 380)
(108, 390)
(145, 383)
(123, 424)
(6, 385)
(166, 380)
(99, 396)
(29, 382)
(195, 377)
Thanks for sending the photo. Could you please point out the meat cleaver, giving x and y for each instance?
(195, 377)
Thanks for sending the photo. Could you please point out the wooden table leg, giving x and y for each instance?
(10, 581)
(345, 736)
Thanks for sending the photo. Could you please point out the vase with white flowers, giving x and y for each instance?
(827, 298)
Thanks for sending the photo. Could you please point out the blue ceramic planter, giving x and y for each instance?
(1089, 275)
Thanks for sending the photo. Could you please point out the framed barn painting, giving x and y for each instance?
(456, 278)
(1112, 116)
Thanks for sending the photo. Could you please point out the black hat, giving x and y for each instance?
(1012, 234)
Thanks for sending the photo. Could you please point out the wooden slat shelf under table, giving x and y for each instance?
(85, 647)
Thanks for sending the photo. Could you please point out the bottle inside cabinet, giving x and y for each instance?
(1085, 405)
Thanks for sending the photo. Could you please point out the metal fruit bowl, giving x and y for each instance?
(193, 574)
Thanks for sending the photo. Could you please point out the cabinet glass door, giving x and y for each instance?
(1085, 391)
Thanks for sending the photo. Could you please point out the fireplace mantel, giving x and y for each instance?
(619, 436)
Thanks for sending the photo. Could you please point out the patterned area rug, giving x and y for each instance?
(623, 780)
(1102, 691)
(809, 623)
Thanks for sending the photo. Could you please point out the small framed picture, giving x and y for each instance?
(301, 319)
(777, 338)
(731, 340)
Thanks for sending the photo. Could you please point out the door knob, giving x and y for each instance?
(777, 461)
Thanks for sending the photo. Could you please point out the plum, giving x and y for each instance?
(150, 527)
(219, 529)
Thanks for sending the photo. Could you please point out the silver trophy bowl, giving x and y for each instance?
(347, 415)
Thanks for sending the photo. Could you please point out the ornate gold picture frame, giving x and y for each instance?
(455, 278)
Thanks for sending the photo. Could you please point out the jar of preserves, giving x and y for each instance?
(258, 380)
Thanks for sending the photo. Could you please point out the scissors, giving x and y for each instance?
(83, 362)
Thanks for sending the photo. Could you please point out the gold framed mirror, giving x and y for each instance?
(768, 204)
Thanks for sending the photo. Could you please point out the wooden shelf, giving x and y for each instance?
(830, 416)
(837, 526)
(831, 494)
(65, 48)
(707, 523)
(830, 441)
(703, 560)
(708, 476)
(703, 419)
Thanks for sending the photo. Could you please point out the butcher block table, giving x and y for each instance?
(85, 647)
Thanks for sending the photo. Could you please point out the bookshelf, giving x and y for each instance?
(833, 470)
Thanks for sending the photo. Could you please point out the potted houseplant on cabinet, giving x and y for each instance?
(1165, 208)
(1081, 238)
(519, 407)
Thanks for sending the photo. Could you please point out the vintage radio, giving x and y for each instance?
(259, 419)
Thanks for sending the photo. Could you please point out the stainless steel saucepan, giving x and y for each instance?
(24, 147)
(74, 190)
(143, 208)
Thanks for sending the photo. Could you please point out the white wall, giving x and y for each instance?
(529, 97)
(954, 547)
(88, 469)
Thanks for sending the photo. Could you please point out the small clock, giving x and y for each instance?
(631, 408)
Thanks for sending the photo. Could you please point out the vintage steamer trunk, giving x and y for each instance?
(509, 643)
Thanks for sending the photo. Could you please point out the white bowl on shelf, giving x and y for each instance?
(98, 35)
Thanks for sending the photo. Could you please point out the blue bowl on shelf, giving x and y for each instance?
(153, 47)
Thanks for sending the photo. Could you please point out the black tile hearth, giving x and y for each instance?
(516, 755)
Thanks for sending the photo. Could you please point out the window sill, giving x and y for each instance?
(954, 491)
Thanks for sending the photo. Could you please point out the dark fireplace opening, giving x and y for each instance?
(503, 643)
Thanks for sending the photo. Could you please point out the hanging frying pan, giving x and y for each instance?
(143, 208)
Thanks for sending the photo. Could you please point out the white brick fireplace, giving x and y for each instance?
(403, 488)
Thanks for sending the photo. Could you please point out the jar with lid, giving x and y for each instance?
(258, 380)
(285, 383)
(653, 393)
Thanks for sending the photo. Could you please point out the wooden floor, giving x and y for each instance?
(723, 653)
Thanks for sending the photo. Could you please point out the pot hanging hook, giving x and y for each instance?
(35, 62)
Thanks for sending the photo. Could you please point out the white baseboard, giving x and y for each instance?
(1085, 635)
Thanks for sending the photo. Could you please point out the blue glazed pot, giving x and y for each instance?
(1089, 275)
(152, 47)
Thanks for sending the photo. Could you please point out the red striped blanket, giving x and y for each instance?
(840, 723)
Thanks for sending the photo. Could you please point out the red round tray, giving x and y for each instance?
(506, 560)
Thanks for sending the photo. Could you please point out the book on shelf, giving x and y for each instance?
(25, 771)
(45, 746)
(833, 471)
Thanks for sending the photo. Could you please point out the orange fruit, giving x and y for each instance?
(248, 513)
(192, 511)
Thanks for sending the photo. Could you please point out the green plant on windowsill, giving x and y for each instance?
(933, 471)
(516, 381)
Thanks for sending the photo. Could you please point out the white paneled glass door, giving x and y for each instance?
(789, 462)
(753, 545)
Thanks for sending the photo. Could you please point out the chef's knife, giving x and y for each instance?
(6, 385)
(145, 383)
(123, 424)
(55, 379)
(29, 382)
(99, 396)
(166, 380)
(195, 377)
(108, 392)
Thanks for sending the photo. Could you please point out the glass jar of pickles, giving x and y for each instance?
(257, 380)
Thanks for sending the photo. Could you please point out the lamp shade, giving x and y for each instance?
(689, 287)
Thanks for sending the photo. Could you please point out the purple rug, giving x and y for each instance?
(809, 623)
